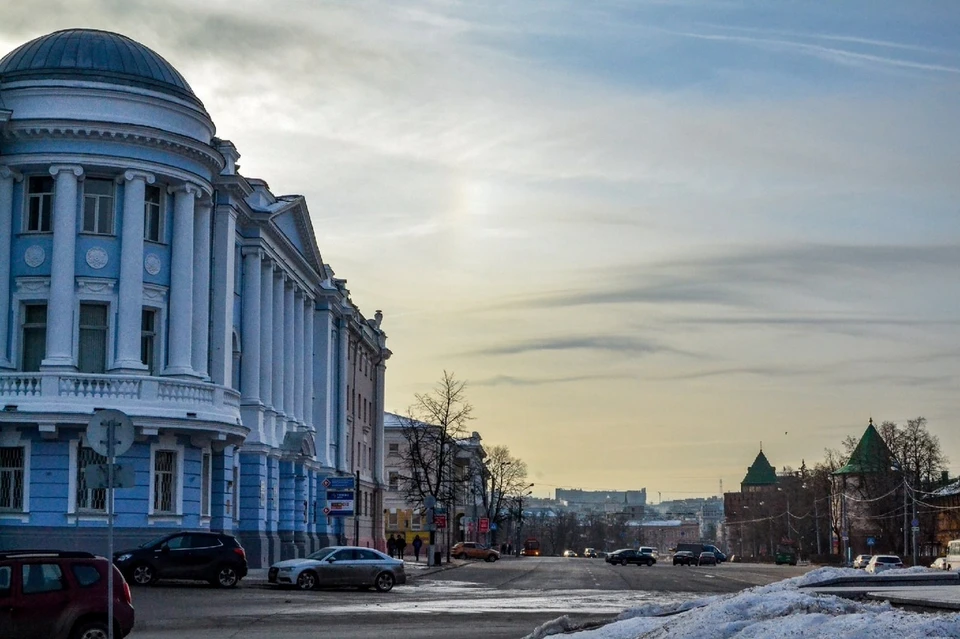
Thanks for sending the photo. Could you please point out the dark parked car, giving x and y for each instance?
(626, 556)
(214, 557)
(684, 558)
(707, 559)
(49, 594)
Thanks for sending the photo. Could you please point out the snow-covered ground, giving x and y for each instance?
(776, 611)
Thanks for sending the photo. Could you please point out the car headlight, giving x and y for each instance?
(124, 557)
(287, 569)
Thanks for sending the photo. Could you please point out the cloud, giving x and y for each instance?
(613, 343)
(511, 380)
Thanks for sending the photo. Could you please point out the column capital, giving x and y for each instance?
(187, 187)
(132, 174)
(253, 250)
(6, 172)
(76, 169)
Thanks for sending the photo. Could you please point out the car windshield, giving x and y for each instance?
(154, 542)
(320, 554)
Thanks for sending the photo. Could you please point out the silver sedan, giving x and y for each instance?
(339, 566)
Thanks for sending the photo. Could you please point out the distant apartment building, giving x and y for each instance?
(603, 501)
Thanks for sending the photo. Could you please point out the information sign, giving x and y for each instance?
(338, 483)
(440, 521)
(484, 525)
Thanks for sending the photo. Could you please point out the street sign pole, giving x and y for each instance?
(111, 457)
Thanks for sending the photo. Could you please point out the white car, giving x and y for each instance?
(940, 563)
(339, 566)
(861, 561)
(880, 563)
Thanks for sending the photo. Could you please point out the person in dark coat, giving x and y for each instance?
(417, 545)
(401, 546)
(391, 545)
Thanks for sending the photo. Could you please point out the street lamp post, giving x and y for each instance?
(525, 492)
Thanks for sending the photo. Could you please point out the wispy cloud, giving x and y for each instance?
(512, 380)
(611, 343)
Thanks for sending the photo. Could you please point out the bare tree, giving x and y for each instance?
(917, 450)
(505, 477)
(436, 421)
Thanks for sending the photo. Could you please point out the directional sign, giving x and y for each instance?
(915, 522)
(338, 483)
(96, 476)
(916, 529)
(339, 495)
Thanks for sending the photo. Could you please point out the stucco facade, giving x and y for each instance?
(139, 270)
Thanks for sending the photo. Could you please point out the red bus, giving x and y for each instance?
(531, 547)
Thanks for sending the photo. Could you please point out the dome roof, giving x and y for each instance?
(95, 55)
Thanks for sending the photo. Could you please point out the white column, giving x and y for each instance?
(308, 362)
(279, 281)
(130, 291)
(7, 177)
(201, 287)
(222, 295)
(62, 266)
(265, 338)
(343, 326)
(180, 344)
(298, 356)
(250, 327)
(289, 361)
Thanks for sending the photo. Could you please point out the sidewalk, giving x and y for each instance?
(935, 591)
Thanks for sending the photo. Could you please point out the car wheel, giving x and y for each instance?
(227, 577)
(307, 580)
(462, 555)
(491, 557)
(384, 582)
(649, 563)
(143, 575)
(91, 630)
(623, 562)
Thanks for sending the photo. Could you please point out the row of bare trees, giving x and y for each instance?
(442, 467)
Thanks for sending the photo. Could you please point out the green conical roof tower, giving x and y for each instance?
(870, 456)
(761, 473)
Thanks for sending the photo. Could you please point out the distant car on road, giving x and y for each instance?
(214, 557)
(569, 553)
(861, 561)
(61, 595)
(590, 553)
(339, 566)
(707, 559)
(626, 556)
(880, 563)
(473, 550)
(684, 558)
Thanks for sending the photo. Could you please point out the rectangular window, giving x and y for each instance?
(394, 480)
(206, 485)
(236, 487)
(148, 339)
(165, 482)
(93, 338)
(39, 205)
(34, 337)
(98, 206)
(416, 520)
(89, 499)
(394, 449)
(393, 520)
(153, 214)
(11, 479)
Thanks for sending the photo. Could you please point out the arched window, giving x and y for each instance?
(235, 378)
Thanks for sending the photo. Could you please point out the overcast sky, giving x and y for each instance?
(649, 234)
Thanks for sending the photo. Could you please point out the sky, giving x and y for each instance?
(648, 234)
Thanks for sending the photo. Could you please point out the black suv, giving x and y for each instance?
(52, 594)
(207, 556)
(626, 556)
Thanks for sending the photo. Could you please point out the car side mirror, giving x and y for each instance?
(165, 548)
(331, 560)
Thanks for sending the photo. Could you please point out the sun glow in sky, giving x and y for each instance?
(650, 234)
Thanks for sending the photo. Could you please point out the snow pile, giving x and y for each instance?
(776, 611)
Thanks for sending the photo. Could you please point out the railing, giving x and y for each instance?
(78, 392)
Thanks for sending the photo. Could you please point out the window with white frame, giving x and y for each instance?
(206, 483)
(394, 480)
(11, 478)
(148, 339)
(394, 449)
(89, 499)
(153, 214)
(98, 206)
(416, 520)
(393, 520)
(165, 482)
(236, 488)
(39, 205)
(93, 338)
(34, 346)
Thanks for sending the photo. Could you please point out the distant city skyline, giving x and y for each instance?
(648, 235)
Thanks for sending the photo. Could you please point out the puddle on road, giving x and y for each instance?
(467, 598)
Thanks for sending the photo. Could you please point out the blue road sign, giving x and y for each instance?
(339, 495)
(871, 541)
(338, 483)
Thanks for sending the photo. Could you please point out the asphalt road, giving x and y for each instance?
(501, 600)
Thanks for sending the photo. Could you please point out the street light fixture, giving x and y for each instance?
(524, 492)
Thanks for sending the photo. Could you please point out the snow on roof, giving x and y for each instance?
(949, 489)
(777, 611)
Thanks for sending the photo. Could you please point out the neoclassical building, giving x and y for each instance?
(140, 271)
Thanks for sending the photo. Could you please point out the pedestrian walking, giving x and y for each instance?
(391, 545)
(401, 546)
(417, 545)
